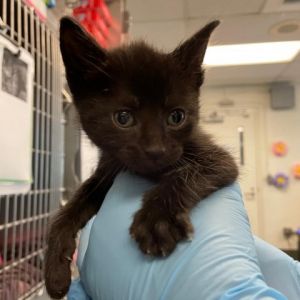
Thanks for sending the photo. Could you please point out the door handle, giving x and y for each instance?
(250, 195)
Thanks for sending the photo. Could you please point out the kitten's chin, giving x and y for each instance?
(147, 169)
(143, 165)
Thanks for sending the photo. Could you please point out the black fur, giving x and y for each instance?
(150, 86)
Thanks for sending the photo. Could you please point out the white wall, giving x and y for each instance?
(277, 208)
(282, 208)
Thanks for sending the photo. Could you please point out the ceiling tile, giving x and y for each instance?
(163, 24)
(155, 10)
(163, 35)
(245, 29)
(280, 6)
(196, 8)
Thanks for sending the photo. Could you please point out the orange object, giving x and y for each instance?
(280, 149)
(296, 170)
(95, 17)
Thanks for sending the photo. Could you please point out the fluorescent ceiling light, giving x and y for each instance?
(251, 54)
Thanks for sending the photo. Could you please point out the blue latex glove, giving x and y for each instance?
(220, 263)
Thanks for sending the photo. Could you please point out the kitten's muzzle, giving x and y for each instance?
(155, 152)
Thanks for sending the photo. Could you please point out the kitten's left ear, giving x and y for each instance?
(191, 52)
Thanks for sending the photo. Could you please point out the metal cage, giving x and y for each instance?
(24, 217)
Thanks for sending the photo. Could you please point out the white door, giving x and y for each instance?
(236, 129)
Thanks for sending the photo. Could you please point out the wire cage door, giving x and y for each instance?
(24, 217)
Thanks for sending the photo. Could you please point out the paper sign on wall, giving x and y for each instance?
(16, 93)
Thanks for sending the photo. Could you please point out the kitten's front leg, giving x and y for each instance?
(69, 220)
(163, 220)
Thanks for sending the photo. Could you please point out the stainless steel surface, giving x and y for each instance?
(24, 217)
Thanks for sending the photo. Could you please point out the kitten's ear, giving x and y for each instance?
(191, 52)
(84, 59)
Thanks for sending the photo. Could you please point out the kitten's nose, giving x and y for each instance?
(155, 152)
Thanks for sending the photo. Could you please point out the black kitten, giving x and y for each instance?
(140, 107)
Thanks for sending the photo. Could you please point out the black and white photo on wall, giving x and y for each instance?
(16, 98)
(14, 75)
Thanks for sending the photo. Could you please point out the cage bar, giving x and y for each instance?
(24, 217)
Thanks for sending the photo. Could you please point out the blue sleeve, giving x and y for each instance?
(279, 270)
(77, 292)
(220, 262)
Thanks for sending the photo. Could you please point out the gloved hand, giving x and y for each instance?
(220, 262)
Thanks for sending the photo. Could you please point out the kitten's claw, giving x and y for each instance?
(57, 266)
(68, 258)
(190, 237)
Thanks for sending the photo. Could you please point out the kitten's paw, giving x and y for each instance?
(57, 267)
(157, 233)
(58, 280)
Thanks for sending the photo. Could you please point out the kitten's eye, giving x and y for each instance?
(176, 117)
(124, 119)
